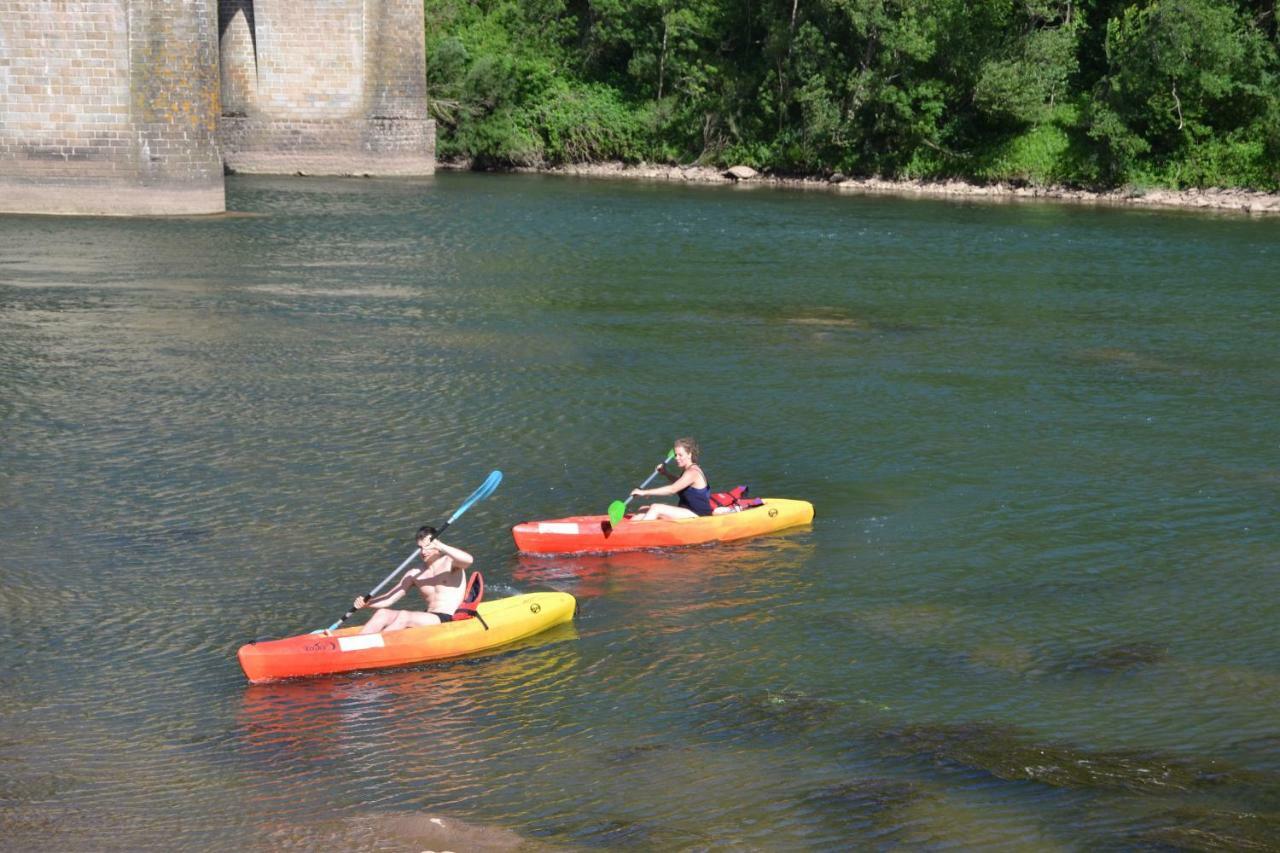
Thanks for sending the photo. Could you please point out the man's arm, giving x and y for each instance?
(461, 559)
(391, 596)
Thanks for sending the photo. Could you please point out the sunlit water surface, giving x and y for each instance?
(1037, 608)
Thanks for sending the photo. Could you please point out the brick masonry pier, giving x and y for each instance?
(134, 107)
(324, 88)
(109, 107)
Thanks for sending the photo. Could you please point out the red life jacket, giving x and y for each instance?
(734, 497)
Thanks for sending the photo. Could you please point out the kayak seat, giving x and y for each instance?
(475, 592)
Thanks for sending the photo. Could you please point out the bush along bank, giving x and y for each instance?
(1095, 96)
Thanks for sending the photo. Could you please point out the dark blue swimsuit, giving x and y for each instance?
(697, 500)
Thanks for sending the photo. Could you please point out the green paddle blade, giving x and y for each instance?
(616, 511)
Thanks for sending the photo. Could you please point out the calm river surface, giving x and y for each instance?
(1037, 608)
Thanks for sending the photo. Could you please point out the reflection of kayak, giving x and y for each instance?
(497, 623)
(595, 533)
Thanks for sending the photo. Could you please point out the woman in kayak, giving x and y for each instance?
(441, 579)
(691, 485)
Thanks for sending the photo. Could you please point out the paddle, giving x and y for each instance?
(481, 493)
(618, 508)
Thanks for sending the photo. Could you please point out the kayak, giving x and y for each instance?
(496, 623)
(594, 533)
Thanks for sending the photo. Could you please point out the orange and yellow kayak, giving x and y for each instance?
(594, 533)
(497, 623)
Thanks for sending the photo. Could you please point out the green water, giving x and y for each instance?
(1036, 608)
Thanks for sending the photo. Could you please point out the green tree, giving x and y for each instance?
(1183, 75)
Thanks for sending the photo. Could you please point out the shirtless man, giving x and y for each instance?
(441, 579)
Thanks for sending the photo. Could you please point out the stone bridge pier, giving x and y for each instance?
(136, 107)
(325, 87)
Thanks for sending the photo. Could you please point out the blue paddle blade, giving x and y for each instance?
(486, 489)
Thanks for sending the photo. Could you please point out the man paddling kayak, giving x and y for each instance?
(441, 579)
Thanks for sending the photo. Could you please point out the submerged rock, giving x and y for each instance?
(611, 832)
(862, 798)
(627, 754)
(1037, 660)
(787, 709)
(1008, 753)
(1192, 829)
(771, 713)
(434, 832)
(1119, 657)
(862, 808)
(1127, 360)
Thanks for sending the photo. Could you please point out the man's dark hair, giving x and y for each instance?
(425, 531)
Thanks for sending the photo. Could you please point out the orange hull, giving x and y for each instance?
(508, 620)
(594, 533)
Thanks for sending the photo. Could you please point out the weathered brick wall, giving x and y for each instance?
(133, 106)
(325, 87)
(109, 107)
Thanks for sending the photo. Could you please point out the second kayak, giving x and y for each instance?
(594, 533)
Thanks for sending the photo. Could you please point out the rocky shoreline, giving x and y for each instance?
(1225, 200)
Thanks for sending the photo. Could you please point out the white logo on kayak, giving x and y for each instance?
(567, 528)
(360, 641)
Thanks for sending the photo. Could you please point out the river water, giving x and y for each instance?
(1036, 609)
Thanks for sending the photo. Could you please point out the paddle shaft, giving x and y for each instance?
(385, 581)
(618, 508)
(646, 482)
(484, 491)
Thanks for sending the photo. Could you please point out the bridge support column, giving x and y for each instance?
(332, 87)
(109, 107)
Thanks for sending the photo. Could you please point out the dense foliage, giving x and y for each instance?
(1099, 93)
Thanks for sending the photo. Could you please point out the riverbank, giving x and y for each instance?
(1227, 200)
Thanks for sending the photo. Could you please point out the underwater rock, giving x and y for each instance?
(1126, 360)
(833, 322)
(611, 832)
(1192, 829)
(1008, 753)
(434, 832)
(874, 807)
(1037, 661)
(1119, 657)
(861, 799)
(628, 753)
(786, 710)
(770, 714)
